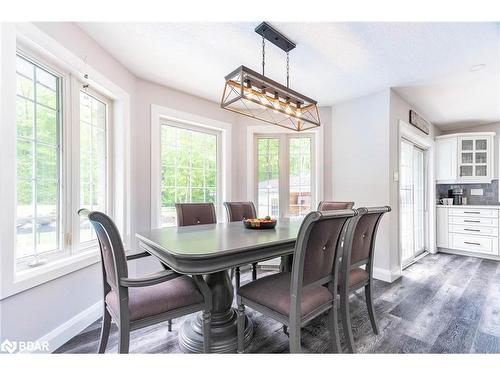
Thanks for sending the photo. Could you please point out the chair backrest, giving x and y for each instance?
(114, 261)
(315, 261)
(195, 214)
(360, 242)
(331, 205)
(238, 211)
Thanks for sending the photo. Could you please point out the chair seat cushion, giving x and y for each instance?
(156, 299)
(356, 276)
(273, 292)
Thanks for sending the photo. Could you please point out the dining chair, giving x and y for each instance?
(134, 303)
(332, 205)
(295, 298)
(238, 211)
(195, 214)
(359, 251)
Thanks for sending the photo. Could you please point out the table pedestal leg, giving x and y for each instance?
(223, 326)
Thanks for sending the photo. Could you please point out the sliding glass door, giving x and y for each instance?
(412, 195)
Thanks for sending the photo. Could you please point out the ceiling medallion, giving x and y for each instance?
(253, 94)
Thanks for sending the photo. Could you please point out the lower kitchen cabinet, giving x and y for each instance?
(470, 229)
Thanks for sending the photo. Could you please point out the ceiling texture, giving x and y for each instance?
(428, 64)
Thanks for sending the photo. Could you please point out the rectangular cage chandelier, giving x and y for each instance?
(254, 95)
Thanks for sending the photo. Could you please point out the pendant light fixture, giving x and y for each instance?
(253, 94)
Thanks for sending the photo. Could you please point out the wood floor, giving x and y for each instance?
(442, 304)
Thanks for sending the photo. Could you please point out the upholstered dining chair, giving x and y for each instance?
(195, 214)
(238, 211)
(359, 251)
(295, 298)
(134, 303)
(332, 205)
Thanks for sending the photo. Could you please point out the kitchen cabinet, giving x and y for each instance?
(465, 158)
(472, 230)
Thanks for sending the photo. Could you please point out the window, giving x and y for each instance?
(93, 155)
(189, 168)
(47, 226)
(284, 174)
(38, 114)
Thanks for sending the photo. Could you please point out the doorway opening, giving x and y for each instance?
(412, 202)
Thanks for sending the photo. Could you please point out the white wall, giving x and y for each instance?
(361, 160)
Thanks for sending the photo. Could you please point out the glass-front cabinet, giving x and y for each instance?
(474, 157)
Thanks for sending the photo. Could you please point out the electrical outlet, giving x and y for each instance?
(476, 191)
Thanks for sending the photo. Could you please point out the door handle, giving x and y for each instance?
(472, 230)
(472, 243)
(472, 212)
(472, 221)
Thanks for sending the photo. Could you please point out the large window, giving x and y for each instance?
(284, 172)
(189, 168)
(38, 115)
(62, 164)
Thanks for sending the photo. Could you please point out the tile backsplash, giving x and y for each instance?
(490, 192)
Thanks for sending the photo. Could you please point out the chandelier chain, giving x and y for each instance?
(287, 70)
(263, 54)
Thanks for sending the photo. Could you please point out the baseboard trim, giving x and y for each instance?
(386, 275)
(62, 334)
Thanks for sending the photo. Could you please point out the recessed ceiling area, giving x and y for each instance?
(434, 66)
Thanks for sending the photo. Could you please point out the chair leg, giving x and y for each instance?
(371, 309)
(254, 271)
(207, 319)
(106, 325)
(237, 277)
(241, 328)
(124, 337)
(169, 325)
(294, 338)
(346, 323)
(334, 330)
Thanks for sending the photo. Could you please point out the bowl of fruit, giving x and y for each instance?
(265, 223)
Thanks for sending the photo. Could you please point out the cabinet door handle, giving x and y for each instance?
(472, 243)
(472, 221)
(472, 212)
(472, 230)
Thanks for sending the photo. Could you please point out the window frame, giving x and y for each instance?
(161, 114)
(284, 168)
(200, 129)
(74, 236)
(70, 253)
(47, 66)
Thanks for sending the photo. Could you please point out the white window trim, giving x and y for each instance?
(159, 115)
(317, 155)
(31, 37)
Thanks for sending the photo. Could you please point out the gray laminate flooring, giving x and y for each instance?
(442, 304)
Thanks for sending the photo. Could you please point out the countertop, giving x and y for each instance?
(469, 206)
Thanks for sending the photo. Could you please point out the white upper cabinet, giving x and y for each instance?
(446, 159)
(464, 158)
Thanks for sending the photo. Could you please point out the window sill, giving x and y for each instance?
(34, 277)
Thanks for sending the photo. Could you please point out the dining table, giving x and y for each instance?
(213, 250)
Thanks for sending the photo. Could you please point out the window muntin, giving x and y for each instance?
(189, 168)
(93, 159)
(299, 153)
(268, 171)
(38, 144)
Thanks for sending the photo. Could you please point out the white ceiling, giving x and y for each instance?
(428, 64)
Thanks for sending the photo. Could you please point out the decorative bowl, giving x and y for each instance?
(259, 223)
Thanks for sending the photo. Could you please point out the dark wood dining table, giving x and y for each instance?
(212, 250)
